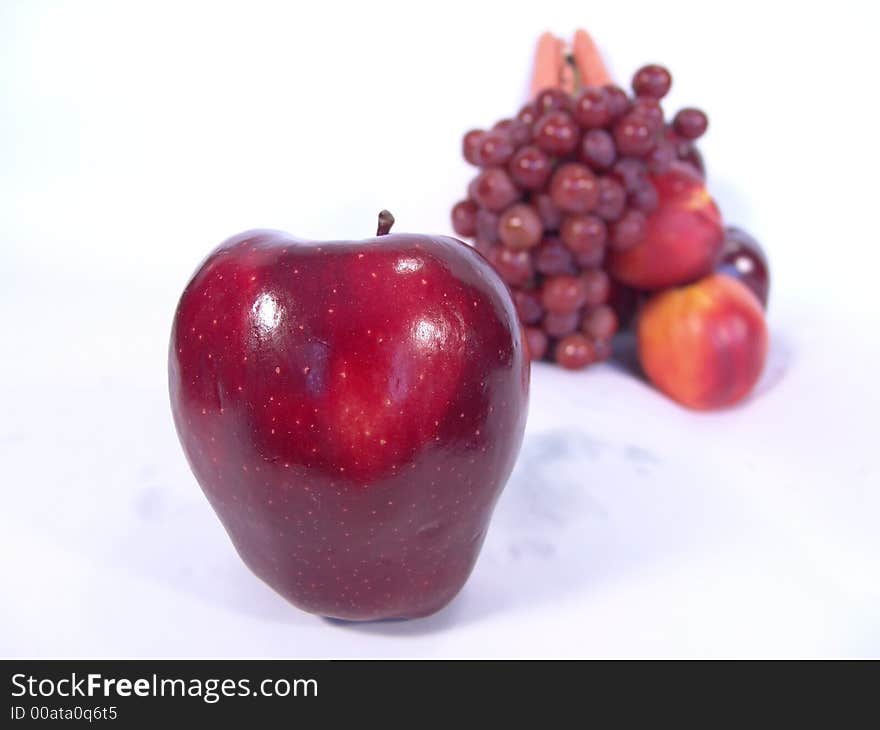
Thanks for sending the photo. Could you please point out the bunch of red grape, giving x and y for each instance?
(561, 183)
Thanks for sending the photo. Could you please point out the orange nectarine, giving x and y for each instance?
(705, 344)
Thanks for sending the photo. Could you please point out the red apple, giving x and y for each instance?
(352, 411)
(705, 344)
(683, 235)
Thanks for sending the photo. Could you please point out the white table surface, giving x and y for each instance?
(630, 527)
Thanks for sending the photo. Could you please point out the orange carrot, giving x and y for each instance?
(589, 61)
(548, 64)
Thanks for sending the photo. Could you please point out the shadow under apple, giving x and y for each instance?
(578, 515)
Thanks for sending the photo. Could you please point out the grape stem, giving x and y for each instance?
(386, 220)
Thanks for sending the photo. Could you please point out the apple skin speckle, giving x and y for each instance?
(358, 416)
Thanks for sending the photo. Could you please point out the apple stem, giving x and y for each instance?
(386, 220)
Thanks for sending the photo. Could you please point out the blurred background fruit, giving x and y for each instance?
(704, 344)
(680, 240)
(743, 258)
(587, 198)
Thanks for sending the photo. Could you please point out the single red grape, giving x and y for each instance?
(612, 199)
(551, 100)
(470, 146)
(494, 190)
(530, 168)
(551, 258)
(591, 108)
(599, 323)
(573, 188)
(464, 218)
(550, 215)
(631, 172)
(528, 114)
(536, 343)
(515, 267)
(634, 135)
(660, 159)
(628, 231)
(487, 226)
(584, 234)
(598, 150)
(520, 227)
(690, 123)
(574, 352)
(651, 111)
(616, 100)
(597, 286)
(564, 294)
(517, 131)
(590, 259)
(528, 306)
(495, 149)
(560, 325)
(556, 133)
(652, 81)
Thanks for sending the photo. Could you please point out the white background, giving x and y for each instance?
(136, 136)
